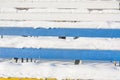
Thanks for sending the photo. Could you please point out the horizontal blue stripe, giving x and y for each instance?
(60, 54)
(70, 32)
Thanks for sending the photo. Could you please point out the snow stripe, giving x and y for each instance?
(54, 42)
(81, 4)
(68, 24)
(59, 17)
(52, 0)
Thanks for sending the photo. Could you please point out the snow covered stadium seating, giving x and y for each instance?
(60, 11)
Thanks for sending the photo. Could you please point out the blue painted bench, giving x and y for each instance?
(67, 54)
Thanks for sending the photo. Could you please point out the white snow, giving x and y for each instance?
(62, 4)
(54, 42)
(7, 10)
(52, 0)
(49, 24)
(111, 11)
(60, 14)
(55, 10)
(59, 17)
(96, 70)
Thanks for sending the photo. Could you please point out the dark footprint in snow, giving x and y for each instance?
(53, 65)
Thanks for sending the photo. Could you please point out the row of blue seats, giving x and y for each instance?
(67, 54)
(68, 32)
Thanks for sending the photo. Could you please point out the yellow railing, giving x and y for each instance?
(28, 79)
